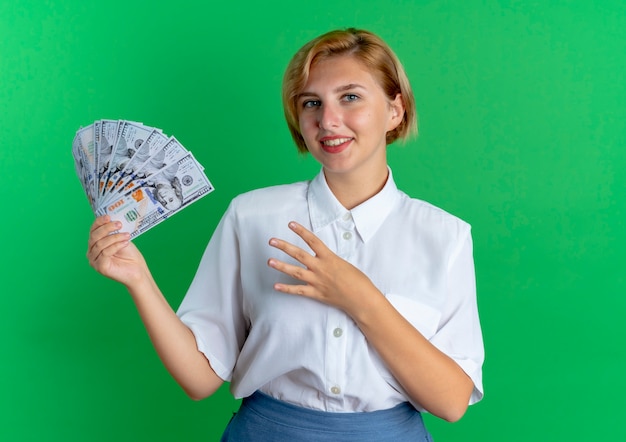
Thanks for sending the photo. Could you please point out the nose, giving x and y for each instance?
(328, 117)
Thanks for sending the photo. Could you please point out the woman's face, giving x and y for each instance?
(344, 116)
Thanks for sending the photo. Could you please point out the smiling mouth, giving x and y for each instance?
(335, 142)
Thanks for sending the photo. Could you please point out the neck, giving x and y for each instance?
(352, 190)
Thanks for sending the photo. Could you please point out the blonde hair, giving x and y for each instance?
(368, 49)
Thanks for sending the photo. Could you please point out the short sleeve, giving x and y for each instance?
(212, 307)
(459, 333)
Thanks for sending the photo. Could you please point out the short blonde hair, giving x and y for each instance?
(367, 48)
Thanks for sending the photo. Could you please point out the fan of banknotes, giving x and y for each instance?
(136, 174)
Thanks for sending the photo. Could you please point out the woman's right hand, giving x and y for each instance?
(113, 255)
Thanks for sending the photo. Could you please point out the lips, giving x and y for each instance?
(335, 144)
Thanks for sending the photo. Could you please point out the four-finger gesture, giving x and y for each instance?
(326, 277)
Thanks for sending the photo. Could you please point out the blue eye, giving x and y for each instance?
(310, 103)
(350, 97)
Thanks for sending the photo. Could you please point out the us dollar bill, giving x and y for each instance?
(132, 136)
(154, 143)
(85, 161)
(161, 158)
(106, 133)
(159, 196)
(136, 173)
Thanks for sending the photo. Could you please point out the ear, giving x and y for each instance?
(397, 112)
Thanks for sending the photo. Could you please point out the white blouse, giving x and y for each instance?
(305, 352)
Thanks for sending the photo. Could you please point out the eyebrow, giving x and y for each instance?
(346, 87)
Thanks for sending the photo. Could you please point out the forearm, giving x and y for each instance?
(115, 256)
(173, 340)
(430, 377)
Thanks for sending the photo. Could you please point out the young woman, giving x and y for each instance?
(338, 308)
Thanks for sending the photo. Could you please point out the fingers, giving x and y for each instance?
(102, 239)
(318, 247)
(311, 263)
(101, 228)
(99, 221)
(323, 275)
(97, 225)
(295, 252)
(297, 272)
(294, 289)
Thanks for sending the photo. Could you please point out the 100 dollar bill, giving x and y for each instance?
(159, 196)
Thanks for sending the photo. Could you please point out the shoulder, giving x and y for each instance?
(272, 194)
(269, 199)
(430, 217)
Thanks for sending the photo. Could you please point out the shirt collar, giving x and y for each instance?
(325, 209)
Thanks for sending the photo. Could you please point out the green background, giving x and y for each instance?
(522, 129)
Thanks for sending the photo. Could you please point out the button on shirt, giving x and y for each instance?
(308, 353)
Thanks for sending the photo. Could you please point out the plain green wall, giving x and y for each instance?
(522, 133)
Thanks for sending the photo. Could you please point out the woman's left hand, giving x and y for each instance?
(326, 277)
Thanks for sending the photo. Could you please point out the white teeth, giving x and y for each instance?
(335, 142)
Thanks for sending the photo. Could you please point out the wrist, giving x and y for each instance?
(370, 304)
(141, 284)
